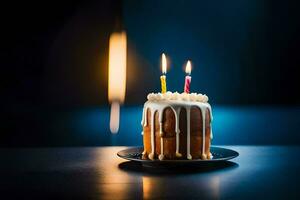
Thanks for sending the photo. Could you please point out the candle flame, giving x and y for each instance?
(164, 63)
(116, 76)
(188, 67)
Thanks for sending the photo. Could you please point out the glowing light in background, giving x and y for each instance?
(116, 76)
(114, 117)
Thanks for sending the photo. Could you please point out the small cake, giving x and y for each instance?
(177, 126)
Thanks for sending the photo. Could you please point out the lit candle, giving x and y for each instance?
(163, 76)
(188, 77)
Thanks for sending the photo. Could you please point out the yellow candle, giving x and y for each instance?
(163, 77)
(163, 84)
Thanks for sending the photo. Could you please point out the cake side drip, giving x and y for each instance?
(159, 106)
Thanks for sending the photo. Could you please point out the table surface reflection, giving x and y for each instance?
(260, 172)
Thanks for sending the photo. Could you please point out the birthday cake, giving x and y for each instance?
(177, 126)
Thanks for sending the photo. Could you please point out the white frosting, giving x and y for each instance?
(177, 96)
(177, 131)
(158, 102)
(151, 155)
(203, 156)
(188, 135)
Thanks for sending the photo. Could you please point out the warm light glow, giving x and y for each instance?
(114, 117)
(188, 67)
(113, 182)
(148, 187)
(117, 67)
(164, 63)
(116, 76)
(153, 186)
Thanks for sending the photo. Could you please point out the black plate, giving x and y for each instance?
(219, 154)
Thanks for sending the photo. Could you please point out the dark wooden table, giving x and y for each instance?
(260, 172)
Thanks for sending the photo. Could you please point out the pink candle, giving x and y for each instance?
(188, 78)
(187, 84)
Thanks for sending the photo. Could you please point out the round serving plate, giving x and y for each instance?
(219, 155)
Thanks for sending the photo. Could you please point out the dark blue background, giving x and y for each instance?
(243, 52)
(254, 125)
(54, 63)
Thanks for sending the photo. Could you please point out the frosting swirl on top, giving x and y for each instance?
(177, 96)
